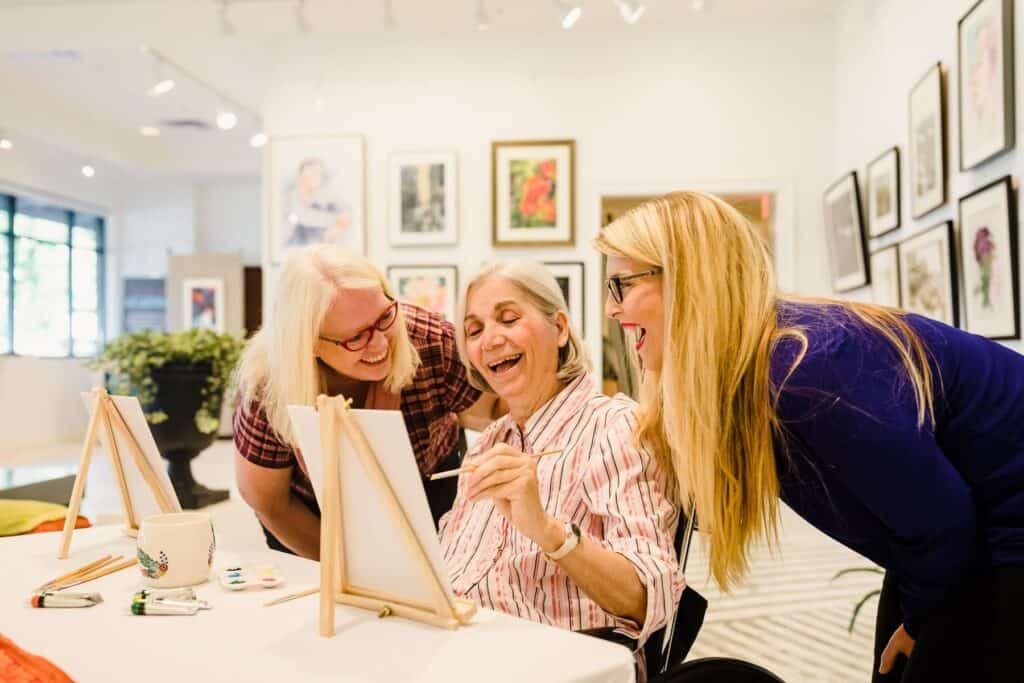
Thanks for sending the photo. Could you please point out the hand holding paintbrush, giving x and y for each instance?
(471, 467)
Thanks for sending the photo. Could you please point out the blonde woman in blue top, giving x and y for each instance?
(898, 436)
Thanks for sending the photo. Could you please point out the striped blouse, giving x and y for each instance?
(612, 490)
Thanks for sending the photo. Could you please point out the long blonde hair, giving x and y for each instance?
(710, 412)
(279, 367)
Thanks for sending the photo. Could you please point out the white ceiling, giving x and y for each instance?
(75, 75)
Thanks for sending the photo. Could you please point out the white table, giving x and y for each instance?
(240, 640)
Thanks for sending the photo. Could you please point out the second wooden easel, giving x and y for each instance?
(106, 416)
(441, 610)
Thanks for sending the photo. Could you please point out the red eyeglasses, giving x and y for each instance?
(362, 338)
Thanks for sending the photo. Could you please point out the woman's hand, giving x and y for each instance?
(509, 478)
(900, 644)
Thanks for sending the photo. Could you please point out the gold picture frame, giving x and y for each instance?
(533, 193)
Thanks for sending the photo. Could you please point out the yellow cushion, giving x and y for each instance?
(22, 516)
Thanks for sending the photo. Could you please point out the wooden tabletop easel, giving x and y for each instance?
(106, 414)
(441, 610)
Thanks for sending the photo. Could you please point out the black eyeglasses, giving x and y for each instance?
(615, 283)
(362, 338)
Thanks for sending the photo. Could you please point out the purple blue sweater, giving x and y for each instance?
(933, 505)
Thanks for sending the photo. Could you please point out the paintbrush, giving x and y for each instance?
(472, 466)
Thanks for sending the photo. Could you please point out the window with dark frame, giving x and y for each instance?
(51, 279)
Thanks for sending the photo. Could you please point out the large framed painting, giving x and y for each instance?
(985, 77)
(928, 143)
(434, 288)
(571, 280)
(203, 303)
(885, 276)
(884, 193)
(928, 274)
(845, 233)
(988, 258)
(421, 199)
(316, 188)
(533, 193)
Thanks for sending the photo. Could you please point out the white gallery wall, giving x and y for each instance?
(718, 109)
(882, 48)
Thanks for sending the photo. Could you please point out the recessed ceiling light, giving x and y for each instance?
(698, 5)
(258, 140)
(226, 120)
(161, 87)
(568, 13)
(88, 171)
(5, 143)
(630, 11)
(149, 131)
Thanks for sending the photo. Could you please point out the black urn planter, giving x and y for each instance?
(179, 395)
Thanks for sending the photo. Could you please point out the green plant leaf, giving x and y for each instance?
(859, 605)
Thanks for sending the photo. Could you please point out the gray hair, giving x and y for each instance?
(541, 291)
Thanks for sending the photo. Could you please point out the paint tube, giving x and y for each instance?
(160, 607)
(65, 599)
(165, 594)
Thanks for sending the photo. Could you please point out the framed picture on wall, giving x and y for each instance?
(203, 303)
(985, 77)
(844, 230)
(928, 143)
(885, 276)
(928, 274)
(532, 193)
(571, 280)
(421, 199)
(434, 288)
(316, 190)
(884, 193)
(988, 260)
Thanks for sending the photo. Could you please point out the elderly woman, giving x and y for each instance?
(581, 539)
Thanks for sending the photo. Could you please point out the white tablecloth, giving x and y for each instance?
(240, 640)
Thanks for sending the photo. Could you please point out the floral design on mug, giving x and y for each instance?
(151, 568)
(213, 546)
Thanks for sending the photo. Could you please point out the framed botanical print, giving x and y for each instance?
(533, 193)
(884, 193)
(421, 199)
(928, 143)
(928, 274)
(988, 258)
(570, 278)
(885, 276)
(985, 76)
(203, 303)
(316, 192)
(845, 233)
(434, 288)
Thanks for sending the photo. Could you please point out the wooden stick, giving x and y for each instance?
(84, 569)
(293, 596)
(330, 514)
(79, 487)
(118, 465)
(140, 459)
(103, 571)
(471, 467)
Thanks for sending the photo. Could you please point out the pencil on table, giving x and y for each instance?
(472, 466)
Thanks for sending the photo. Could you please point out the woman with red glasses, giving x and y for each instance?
(336, 328)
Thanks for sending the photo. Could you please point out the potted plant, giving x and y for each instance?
(180, 379)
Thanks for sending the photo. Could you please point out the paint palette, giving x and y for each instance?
(240, 578)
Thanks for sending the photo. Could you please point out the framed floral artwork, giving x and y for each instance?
(928, 274)
(928, 143)
(421, 201)
(985, 77)
(988, 258)
(570, 279)
(434, 288)
(844, 229)
(532, 193)
(885, 276)
(884, 193)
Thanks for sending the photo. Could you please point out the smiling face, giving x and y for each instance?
(351, 313)
(513, 345)
(642, 310)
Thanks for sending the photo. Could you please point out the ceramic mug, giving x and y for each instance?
(176, 549)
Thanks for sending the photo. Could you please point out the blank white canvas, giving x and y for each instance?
(142, 499)
(377, 556)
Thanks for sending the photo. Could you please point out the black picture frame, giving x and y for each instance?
(844, 232)
(927, 155)
(913, 294)
(885, 222)
(577, 304)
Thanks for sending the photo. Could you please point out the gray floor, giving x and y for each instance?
(788, 617)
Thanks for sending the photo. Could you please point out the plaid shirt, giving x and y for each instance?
(439, 390)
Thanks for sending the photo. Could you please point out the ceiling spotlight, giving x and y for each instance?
(227, 27)
(301, 20)
(568, 13)
(226, 119)
(483, 22)
(630, 11)
(5, 144)
(162, 84)
(88, 171)
(149, 131)
(258, 140)
(698, 5)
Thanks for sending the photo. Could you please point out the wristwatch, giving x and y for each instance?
(572, 539)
